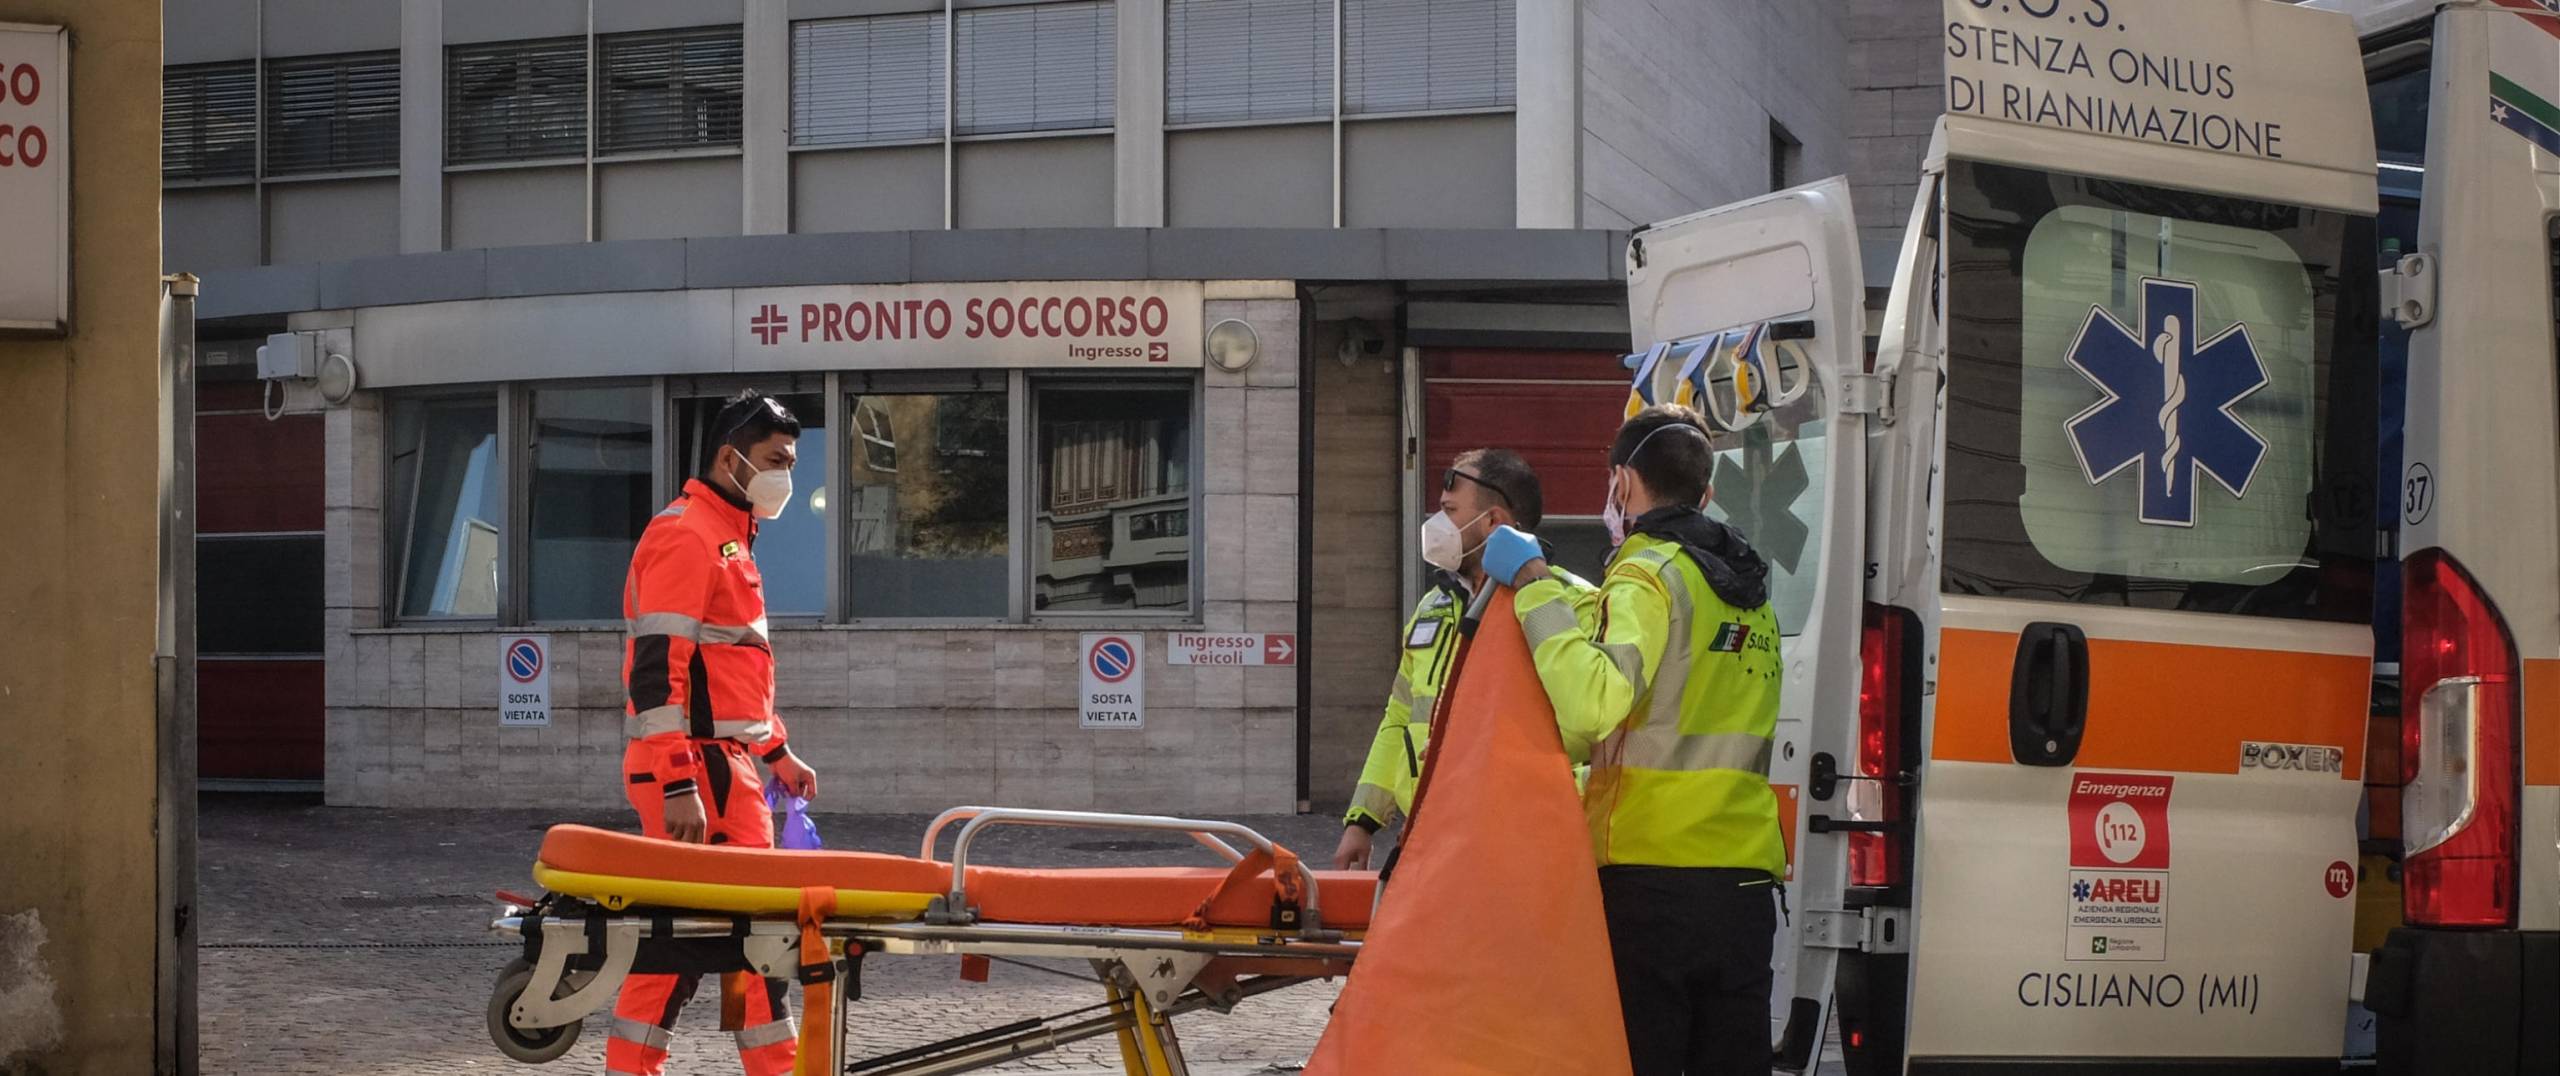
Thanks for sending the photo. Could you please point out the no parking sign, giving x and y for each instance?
(1113, 692)
(524, 681)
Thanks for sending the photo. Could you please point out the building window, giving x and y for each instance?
(446, 506)
(1113, 500)
(867, 80)
(515, 100)
(209, 121)
(1786, 156)
(1233, 61)
(925, 504)
(1045, 67)
(592, 492)
(790, 550)
(676, 89)
(333, 113)
(1427, 55)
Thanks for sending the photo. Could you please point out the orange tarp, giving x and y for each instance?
(1489, 953)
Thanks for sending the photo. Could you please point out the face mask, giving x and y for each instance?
(768, 491)
(1443, 546)
(1612, 515)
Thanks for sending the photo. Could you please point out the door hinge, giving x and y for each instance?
(2409, 291)
(1868, 394)
(1864, 930)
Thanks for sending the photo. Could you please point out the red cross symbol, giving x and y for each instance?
(769, 324)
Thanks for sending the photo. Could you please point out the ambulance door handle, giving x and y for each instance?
(2049, 694)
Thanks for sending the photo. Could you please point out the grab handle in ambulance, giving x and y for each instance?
(2049, 694)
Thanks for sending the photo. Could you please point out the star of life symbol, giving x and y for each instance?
(2080, 890)
(2167, 406)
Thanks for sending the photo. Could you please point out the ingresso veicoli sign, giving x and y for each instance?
(35, 178)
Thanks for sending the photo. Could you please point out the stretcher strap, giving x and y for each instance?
(817, 985)
(1287, 890)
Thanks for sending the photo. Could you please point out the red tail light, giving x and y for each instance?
(1877, 859)
(2458, 745)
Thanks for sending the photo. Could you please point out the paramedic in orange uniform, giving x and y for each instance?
(699, 672)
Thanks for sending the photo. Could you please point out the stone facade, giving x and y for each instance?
(1897, 90)
(895, 720)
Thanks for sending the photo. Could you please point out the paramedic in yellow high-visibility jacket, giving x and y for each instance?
(1481, 490)
(1671, 693)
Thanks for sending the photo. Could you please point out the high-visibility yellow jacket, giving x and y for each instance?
(1429, 644)
(1670, 691)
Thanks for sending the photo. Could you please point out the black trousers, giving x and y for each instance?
(1692, 948)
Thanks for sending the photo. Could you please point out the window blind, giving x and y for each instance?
(515, 100)
(209, 120)
(1046, 67)
(875, 79)
(672, 89)
(1238, 60)
(1427, 55)
(333, 113)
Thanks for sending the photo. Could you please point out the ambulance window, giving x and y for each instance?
(2400, 114)
(1768, 485)
(2151, 402)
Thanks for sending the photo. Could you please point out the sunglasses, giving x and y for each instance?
(1449, 481)
(767, 406)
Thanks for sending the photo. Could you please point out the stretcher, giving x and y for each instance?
(1161, 941)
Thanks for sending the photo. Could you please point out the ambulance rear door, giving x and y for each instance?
(1754, 314)
(2136, 808)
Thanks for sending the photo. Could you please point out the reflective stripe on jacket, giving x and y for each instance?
(697, 663)
(1671, 694)
(1428, 646)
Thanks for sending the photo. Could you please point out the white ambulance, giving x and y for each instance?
(2080, 631)
(2466, 105)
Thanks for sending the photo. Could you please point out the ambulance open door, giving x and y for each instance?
(1754, 314)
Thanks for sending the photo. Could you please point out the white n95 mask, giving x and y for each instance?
(1443, 547)
(769, 491)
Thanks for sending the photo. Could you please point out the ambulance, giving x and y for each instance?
(2078, 556)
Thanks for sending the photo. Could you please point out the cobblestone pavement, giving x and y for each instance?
(355, 941)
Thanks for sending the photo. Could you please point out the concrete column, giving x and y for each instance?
(421, 126)
(767, 138)
(1138, 140)
(1547, 128)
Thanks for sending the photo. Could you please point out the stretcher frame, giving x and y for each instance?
(578, 953)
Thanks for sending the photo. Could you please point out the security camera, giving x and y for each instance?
(1360, 340)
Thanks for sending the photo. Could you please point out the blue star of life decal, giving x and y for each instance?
(2080, 890)
(2167, 411)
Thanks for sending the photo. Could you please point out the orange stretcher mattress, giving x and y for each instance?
(1082, 896)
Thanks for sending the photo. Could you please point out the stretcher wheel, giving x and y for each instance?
(533, 1046)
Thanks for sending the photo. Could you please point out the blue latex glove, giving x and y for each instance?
(1507, 552)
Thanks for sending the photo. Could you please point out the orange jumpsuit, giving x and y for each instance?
(699, 672)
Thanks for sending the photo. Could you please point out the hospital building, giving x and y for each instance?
(1106, 318)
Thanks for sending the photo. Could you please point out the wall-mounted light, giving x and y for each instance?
(1232, 345)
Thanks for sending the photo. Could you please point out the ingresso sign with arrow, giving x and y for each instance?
(1230, 648)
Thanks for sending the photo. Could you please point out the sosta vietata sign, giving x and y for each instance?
(35, 178)
(1043, 324)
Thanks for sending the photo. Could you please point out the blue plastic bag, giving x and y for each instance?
(795, 830)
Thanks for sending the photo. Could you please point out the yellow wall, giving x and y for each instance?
(79, 570)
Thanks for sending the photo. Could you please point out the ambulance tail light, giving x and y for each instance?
(2458, 743)
(1885, 695)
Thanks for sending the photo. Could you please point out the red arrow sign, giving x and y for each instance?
(1280, 650)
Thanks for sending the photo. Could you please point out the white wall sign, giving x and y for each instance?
(35, 178)
(524, 681)
(2205, 76)
(1046, 324)
(1230, 648)
(1112, 692)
